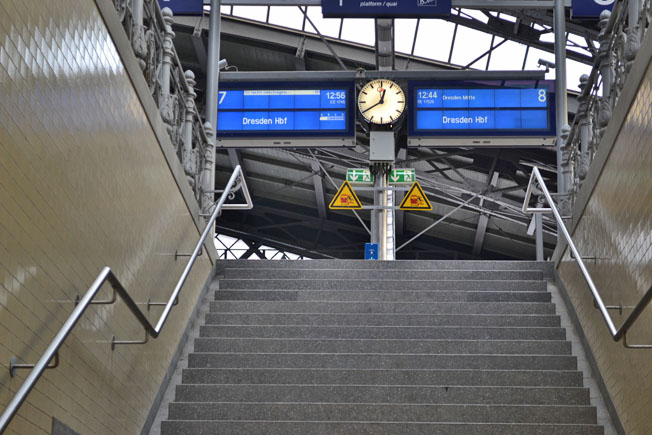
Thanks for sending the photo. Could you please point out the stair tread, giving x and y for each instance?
(385, 348)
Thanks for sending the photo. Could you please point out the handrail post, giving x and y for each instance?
(538, 231)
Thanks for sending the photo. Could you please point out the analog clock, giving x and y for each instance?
(381, 101)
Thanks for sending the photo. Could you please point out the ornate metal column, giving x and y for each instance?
(166, 101)
(585, 130)
(206, 200)
(604, 54)
(189, 158)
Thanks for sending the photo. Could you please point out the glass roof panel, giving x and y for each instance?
(287, 16)
(469, 44)
(478, 15)
(258, 13)
(509, 56)
(359, 30)
(434, 39)
(404, 35)
(326, 26)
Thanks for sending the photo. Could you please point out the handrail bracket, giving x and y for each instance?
(635, 346)
(114, 341)
(13, 364)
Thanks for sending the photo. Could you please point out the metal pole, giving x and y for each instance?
(538, 231)
(382, 230)
(375, 214)
(213, 72)
(560, 91)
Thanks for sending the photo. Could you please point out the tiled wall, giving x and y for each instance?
(615, 228)
(83, 184)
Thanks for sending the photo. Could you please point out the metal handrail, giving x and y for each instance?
(107, 275)
(616, 333)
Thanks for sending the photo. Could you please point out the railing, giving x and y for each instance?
(621, 34)
(107, 275)
(149, 30)
(616, 333)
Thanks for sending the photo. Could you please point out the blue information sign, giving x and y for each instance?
(247, 110)
(487, 108)
(590, 8)
(385, 8)
(183, 7)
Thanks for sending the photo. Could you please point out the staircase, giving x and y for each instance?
(382, 348)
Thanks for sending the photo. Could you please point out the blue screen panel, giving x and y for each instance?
(281, 101)
(508, 119)
(482, 119)
(482, 98)
(309, 99)
(332, 120)
(508, 98)
(429, 98)
(230, 100)
(534, 98)
(455, 119)
(333, 99)
(491, 108)
(429, 119)
(256, 120)
(534, 119)
(260, 110)
(455, 98)
(255, 100)
(229, 121)
(281, 120)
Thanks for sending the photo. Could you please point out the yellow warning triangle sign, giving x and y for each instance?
(415, 199)
(345, 198)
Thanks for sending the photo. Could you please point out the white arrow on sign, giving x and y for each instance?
(354, 177)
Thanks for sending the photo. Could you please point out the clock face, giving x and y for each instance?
(381, 101)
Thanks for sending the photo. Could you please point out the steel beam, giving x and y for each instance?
(472, 4)
(329, 76)
(319, 189)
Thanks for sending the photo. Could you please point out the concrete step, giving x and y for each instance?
(382, 332)
(380, 284)
(366, 376)
(457, 347)
(383, 265)
(382, 319)
(391, 273)
(381, 296)
(270, 307)
(203, 427)
(381, 361)
(364, 412)
(383, 394)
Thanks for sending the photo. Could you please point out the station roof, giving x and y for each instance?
(480, 189)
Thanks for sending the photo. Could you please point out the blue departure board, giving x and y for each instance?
(258, 110)
(483, 108)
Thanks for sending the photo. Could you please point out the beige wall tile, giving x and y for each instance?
(83, 184)
(616, 227)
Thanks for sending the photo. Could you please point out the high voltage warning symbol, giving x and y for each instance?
(345, 198)
(415, 199)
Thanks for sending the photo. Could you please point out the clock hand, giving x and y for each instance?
(382, 98)
(372, 106)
